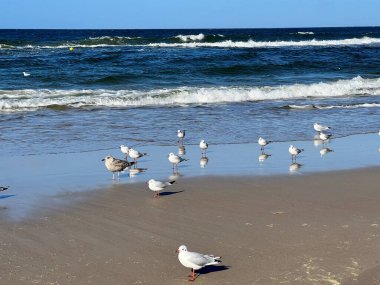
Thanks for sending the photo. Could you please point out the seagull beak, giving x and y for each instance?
(176, 251)
(103, 159)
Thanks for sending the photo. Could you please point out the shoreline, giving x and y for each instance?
(45, 176)
(320, 228)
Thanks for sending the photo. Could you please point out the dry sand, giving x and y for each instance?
(302, 229)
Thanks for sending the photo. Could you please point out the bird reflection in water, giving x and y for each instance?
(203, 161)
(181, 150)
(325, 151)
(264, 156)
(294, 167)
(135, 171)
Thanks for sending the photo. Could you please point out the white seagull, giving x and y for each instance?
(203, 145)
(116, 165)
(181, 135)
(25, 74)
(134, 154)
(320, 128)
(124, 149)
(294, 151)
(175, 159)
(263, 142)
(195, 260)
(157, 186)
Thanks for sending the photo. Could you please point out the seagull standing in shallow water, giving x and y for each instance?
(319, 128)
(157, 186)
(134, 154)
(175, 159)
(195, 260)
(181, 135)
(263, 142)
(294, 151)
(203, 146)
(124, 149)
(116, 165)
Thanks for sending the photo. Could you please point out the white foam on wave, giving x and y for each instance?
(112, 38)
(271, 44)
(324, 107)
(186, 38)
(303, 33)
(223, 44)
(30, 99)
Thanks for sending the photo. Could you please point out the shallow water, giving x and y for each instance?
(37, 179)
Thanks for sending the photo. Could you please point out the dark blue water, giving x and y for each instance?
(97, 89)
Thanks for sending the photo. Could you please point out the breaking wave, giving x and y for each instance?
(31, 99)
(195, 41)
(186, 38)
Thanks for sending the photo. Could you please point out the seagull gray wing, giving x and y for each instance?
(202, 259)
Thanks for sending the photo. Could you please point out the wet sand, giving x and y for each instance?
(304, 229)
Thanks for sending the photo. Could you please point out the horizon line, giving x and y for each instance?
(262, 28)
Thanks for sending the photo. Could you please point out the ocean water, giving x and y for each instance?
(92, 90)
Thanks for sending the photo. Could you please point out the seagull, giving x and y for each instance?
(263, 142)
(319, 128)
(124, 149)
(26, 74)
(134, 154)
(203, 146)
(294, 151)
(175, 159)
(116, 165)
(181, 135)
(195, 260)
(3, 188)
(325, 150)
(157, 186)
(324, 136)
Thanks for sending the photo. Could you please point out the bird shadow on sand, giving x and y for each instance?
(6, 196)
(167, 193)
(214, 268)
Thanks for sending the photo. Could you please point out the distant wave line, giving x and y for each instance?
(222, 44)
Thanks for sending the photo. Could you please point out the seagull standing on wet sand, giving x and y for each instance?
(195, 260)
(116, 165)
(294, 151)
(157, 186)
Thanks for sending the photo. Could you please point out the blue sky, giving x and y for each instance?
(127, 14)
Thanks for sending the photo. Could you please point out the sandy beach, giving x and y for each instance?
(320, 228)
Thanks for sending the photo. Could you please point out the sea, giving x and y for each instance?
(91, 90)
